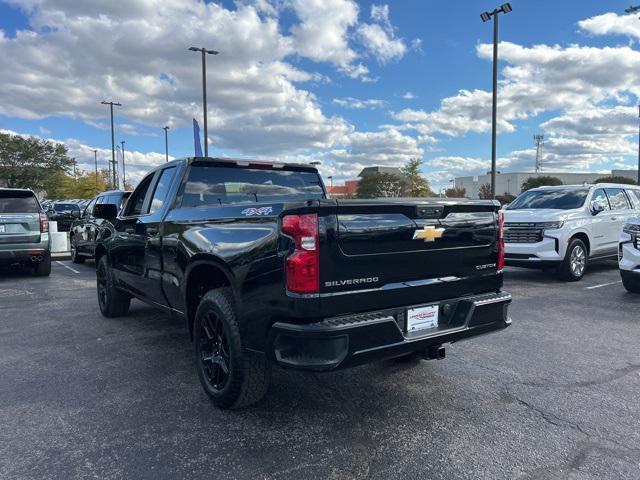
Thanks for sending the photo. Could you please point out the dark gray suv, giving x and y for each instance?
(24, 231)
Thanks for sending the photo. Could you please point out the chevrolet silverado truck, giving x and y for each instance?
(264, 268)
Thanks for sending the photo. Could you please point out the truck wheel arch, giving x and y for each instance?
(201, 276)
(585, 239)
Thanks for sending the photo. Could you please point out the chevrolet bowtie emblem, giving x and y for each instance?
(428, 234)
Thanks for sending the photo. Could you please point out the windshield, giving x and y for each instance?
(63, 207)
(561, 199)
(208, 185)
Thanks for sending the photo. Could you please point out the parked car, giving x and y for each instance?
(629, 254)
(24, 231)
(87, 231)
(565, 227)
(64, 213)
(263, 268)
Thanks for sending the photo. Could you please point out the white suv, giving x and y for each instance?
(629, 255)
(564, 227)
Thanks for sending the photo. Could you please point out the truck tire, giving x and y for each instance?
(75, 258)
(630, 281)
(112, 302)
(575, 262)
(231, 376)
(43, 269)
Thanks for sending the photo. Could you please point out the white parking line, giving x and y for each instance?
(66, 266)
(603, 285)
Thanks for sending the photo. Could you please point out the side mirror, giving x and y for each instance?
(106, 211)
(596, 208)
(76, 213)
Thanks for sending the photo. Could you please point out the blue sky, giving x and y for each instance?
(349, 84)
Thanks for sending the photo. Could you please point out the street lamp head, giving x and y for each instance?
(195, 49)
(166, 127)
(631, 9)
(485, 16)
(212, 52)
(506, 8)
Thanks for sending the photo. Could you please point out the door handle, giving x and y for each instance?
(613, 219)
(152, 231)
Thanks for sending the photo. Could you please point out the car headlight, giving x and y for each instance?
(631, 229)
(550, 225)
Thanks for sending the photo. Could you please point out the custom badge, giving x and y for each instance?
(253, 211)
(428, 234)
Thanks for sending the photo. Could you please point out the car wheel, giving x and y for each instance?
(231, 376)
(112, 302)
(43, 269)
(575, 262)
(630, 281)
(75, 258)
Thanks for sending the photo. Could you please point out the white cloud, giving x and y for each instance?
(409, 96)
(379, 37)
(612, 24)
(358, 104)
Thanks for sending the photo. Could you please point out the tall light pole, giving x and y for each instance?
(204, 52)
(634, 9)
(113, 142)
(330, 177)
(124, 178)
(95, 161)
(166, 142)
(486, 16)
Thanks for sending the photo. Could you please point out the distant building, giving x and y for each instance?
(511, 182)
(348, 190)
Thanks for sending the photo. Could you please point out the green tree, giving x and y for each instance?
(455, 192)
(616, 179)
(28, 162)
(505, 198)
(484, 192)
(376, 185)
(417, 185)
(534, 182)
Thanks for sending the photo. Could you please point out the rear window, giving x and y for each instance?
(561, 199)
(64, 207)
(212, 185)
(18, 202)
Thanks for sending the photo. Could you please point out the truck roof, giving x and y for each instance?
(245, 162)
(585, 185)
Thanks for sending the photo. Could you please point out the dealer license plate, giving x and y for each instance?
(422, 318)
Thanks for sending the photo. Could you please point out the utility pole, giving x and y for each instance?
(113, 142)
(95, 161)
(204, 51)
(486, 16)
(75, 175)
(124, 178)
(166, 142)
(538, 138)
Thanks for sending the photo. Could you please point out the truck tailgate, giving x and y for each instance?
(404, 251)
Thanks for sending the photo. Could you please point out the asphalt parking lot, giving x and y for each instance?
(557, 395)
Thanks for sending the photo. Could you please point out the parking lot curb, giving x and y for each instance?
(61, 256)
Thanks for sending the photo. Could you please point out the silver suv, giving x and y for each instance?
(24, 231)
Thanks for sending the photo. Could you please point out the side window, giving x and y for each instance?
(636, 196)
(136, 202)
(618, 199)
(162, 189)
(600, 198)
(88, 212)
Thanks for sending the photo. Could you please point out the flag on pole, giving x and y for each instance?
(196, 138)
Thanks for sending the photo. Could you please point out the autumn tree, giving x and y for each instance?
(484, 192)
(376, 185)
(456, 192)
(544, 181)
(416, 184)
(28, 162)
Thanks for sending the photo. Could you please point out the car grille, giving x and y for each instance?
(522, 233)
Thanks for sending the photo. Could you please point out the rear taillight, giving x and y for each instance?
(500, 264)
(44, 223)
(303, 265)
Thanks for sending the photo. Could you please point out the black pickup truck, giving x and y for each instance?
(264, 268)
